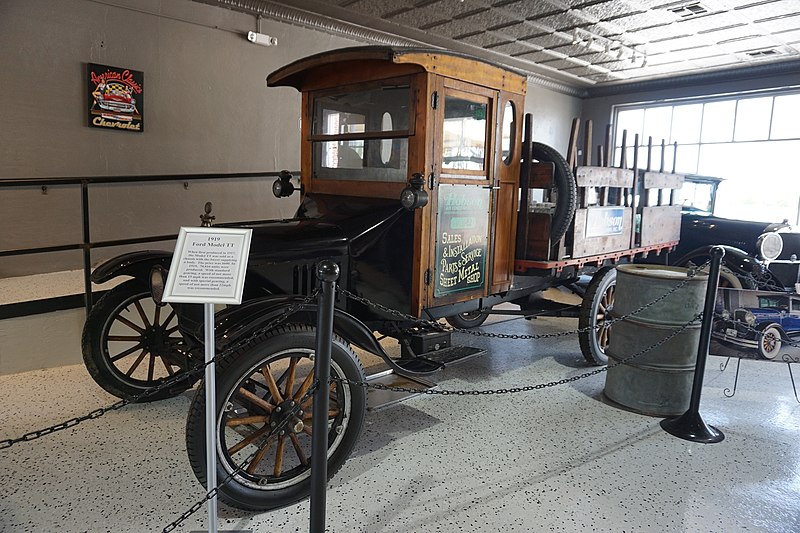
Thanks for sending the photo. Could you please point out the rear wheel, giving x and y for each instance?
(472, 319)
(264, 386)
(131, 345)
(595, 308)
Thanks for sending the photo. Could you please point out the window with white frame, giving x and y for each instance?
(752, 141)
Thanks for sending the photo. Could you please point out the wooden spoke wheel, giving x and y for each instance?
(130, 344)
(264, 420)
(597, 304)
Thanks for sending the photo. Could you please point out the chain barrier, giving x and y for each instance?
(280, 427)
(514, 390)
(167, 383)
(692, 272)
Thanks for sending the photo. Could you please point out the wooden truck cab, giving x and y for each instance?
(374, 117)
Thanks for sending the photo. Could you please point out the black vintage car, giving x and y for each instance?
(416, 181)
(758, 255)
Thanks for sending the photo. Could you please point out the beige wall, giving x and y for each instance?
(207, 110)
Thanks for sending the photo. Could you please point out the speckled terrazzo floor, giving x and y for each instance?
(554, 460)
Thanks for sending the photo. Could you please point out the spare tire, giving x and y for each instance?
(565, 190)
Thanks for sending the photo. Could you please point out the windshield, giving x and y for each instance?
(696, 197)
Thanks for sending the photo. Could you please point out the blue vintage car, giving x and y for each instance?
(763, 328)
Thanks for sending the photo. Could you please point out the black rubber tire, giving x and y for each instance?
(473, 319)
(262, 492)
(566, 190)
(770, 339)
(597, 303)
(131, 302)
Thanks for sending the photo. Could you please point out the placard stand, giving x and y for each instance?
(211, 404)
(208, 267)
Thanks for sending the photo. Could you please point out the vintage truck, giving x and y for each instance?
(418, 180)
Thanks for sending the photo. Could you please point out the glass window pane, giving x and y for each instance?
(718, 121)
(687, 159)
(686, 120)
(362, 111)
(631, 120)
(752, 119)
(507, 142)
(464, 134)
(657, 122)
(786, 117)
(361, 160)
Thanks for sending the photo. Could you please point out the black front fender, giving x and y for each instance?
(236, 324)
(135, 264)
(737, 260)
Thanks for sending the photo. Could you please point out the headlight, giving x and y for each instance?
(770, 245)
(726, 315)
(750, 318)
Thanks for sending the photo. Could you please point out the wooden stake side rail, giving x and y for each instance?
(523, 266)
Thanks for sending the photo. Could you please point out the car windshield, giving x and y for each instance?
(694, 197)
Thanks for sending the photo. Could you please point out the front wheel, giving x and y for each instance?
(595, 308)
(265, 385)
(131, 345)
(769, 340)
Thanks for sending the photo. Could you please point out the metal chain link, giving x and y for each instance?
(167, 383)
(692, 272)
(294, 410)
(513, 390)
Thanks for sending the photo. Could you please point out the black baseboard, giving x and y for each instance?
(46, 305)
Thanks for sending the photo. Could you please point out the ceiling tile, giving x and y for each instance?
(789, 37)
(782, 24)
(717, 61)
(524, 9)
(514, 48)
(483, 39)
(757, 11)
(565, 21)
(540, 56)
(473, 22)
(744, 44)
(708, 23)
(611, 9)
(520, 30)
(552, 40)
(379, 8)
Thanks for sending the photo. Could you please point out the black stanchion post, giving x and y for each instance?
(690, 425)
(327, 273)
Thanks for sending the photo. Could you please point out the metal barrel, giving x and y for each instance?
(658, 382)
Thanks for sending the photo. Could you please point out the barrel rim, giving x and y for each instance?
(661, 272)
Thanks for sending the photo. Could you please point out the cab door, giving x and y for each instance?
(462, 186)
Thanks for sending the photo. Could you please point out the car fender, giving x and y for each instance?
(136, 264)
(238, 323)
(764, 325)
(736, 259)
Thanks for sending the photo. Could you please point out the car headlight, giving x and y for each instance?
(770, 245)
(750, 318)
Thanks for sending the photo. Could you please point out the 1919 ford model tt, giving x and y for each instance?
(477, 223)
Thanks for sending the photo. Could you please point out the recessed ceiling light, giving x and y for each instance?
(765, 52)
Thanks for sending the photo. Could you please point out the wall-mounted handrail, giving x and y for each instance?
(86, 244)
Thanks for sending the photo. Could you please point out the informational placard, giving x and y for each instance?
(208, 266)
(603, 221)
(461, 243)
